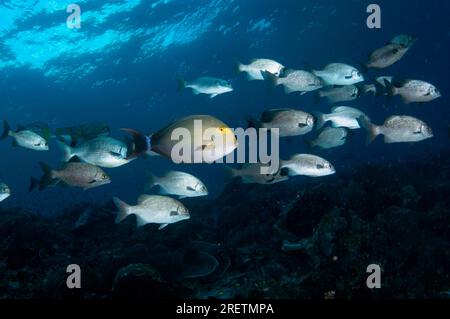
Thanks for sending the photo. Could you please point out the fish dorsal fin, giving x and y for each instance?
(391, 118)
(246, 165)
(286, 72)
(296, 157)
(338, 109)
(144, 198)
(268, 115)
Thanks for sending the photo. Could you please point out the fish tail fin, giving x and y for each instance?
(152, 181)
(271, 78)
(318, 97)
(320, 119)
(252, 122)
(309, 143)
(231, 172)
(363, 66)
(239, 67)
(141, 142)
(66, 150)
(181, 84)
(33, 184)
(123, 209)
(6, 130)
(390, 88)
(46, 179)
(379, 89)
(372, 130)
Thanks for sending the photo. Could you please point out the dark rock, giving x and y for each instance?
(140, 281)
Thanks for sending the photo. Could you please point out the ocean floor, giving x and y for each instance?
(304, 239)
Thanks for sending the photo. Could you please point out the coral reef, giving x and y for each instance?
(304, 239)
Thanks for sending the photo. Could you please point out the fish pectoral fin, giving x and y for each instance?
(116, 154)
(208, 146)
(213, 95)
(270, 180)
(182, 196)
(174, 213)
(189, 188)
(92, 181)
(162, 226)
(140, 221)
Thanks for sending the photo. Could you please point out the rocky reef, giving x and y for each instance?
(308, 238)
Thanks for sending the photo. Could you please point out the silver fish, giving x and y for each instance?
(256, 67)
(5, 192)
(102, 151)
(397, 129)
(339, 74)
(330, 137)
(25, 138)
(295, 81)
(251, 174)
(342, 93)
(207, 85)
(413, 91)
(289, 122)
(308, 165)
(178, 183)
(340, 116)
(153, 209)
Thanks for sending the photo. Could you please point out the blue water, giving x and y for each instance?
(122, 67)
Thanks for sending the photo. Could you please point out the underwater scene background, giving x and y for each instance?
(387, 204)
